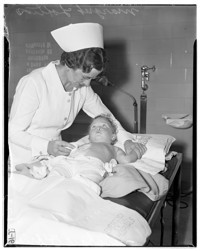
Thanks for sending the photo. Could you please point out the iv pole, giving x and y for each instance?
(143, 98)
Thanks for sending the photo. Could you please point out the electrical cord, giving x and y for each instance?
(183, 204)
(186, 194)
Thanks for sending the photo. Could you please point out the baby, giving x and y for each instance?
(103, 136)
(93, 160)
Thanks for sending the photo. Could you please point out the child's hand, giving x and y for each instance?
(138, 148)
(59, 147)
(23, 169)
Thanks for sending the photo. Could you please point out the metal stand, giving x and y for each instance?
(143, 112)
(143, 98)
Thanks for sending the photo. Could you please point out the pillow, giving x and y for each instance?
(158, 145)
(152, 141)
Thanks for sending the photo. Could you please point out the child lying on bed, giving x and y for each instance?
(93, 160)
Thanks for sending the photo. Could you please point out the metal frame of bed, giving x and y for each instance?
(174, 176)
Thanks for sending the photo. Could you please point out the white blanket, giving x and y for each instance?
(65, 212)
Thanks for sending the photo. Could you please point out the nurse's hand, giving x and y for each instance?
(139, 148)
(59, 147)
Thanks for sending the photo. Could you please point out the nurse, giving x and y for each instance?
(48, 99)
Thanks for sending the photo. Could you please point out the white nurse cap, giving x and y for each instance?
(79, 36)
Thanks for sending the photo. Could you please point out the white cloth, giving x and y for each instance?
(85, 166)
(56, 211)
(42, 109)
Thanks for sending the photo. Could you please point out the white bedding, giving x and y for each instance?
(65, 212)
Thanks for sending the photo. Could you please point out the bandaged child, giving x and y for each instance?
(93, 160)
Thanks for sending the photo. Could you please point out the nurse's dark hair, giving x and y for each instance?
(85, 59)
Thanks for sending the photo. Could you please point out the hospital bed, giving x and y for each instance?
(39, 216)
(37, 210)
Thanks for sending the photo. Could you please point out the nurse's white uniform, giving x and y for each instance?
(42, 109)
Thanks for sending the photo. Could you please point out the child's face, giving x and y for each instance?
(101, 131)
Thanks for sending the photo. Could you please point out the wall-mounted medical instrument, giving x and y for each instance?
(105, 82)
(145, 76)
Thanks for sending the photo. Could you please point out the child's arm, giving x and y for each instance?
(139, 148)
(123, 158)
(36, 169)
(24, 170)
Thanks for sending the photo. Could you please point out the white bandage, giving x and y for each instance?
(39, 172)
(109, 166)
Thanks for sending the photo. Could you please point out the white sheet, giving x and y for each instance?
(60, 211)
